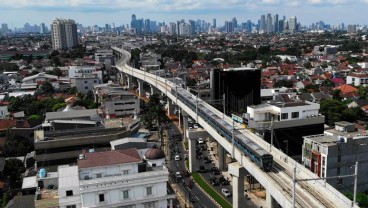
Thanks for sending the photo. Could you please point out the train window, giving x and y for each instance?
(284, 116)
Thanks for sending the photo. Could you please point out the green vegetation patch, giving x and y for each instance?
(209, 190)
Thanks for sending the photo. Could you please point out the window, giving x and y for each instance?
(338, 158)
(295, 115)
(101, 197)
(98, 175)
(86, 88)
(71, 206)
(126, 194)
(338, 171)
(94, 81)
(284, 116)
(69, 193)
(149, 190)
(125, 172)
(150, 205)
(85, 82)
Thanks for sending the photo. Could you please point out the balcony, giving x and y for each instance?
(266, 124)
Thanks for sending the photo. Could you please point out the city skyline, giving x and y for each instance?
(119, 11)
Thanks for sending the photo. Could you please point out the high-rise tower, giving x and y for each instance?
(64, 34)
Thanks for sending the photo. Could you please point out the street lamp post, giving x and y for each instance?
(224, 106)
(197, 102)
(287, 147)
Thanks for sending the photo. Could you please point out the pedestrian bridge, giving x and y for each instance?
(278, 183)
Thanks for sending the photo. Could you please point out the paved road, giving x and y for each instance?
(194, 194)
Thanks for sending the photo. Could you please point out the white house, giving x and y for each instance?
(357, 79)
(117, 179)
(4, 111)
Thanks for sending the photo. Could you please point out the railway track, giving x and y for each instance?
(304, 185)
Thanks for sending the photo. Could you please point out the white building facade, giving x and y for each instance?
(357, 79)
(119, 179)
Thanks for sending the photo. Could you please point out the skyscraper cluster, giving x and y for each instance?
(140, 26)
(64, 34)
(268, 24)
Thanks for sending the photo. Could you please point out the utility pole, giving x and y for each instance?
(272, 119)
(355, 175)
(224, 105)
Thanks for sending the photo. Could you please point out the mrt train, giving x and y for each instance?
(257, 154)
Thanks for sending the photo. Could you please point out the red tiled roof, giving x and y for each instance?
(97, 159)
(338, 80)
(345, 89)
(358, 75)
(7, 123)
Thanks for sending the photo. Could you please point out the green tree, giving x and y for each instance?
(57, 71)
(332, 110)
(353, 114)
(363, 92)
(328, 83)
(361, 197)
(191, 82)
(34, 117)
(47, 88)
(283, 83)
(16, 145)
(308, 65)
(13, 170)
(311, 88)
(58, 106)
(336, 95)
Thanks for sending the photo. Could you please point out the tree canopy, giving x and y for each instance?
(13, 170)
(283, 83)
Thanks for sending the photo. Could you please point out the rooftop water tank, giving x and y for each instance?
(42, 173)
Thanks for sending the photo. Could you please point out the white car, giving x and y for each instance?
(177, 157)
(226, 192)
(200, 141)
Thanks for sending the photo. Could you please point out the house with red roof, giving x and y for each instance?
(346, 89)
(357, 79)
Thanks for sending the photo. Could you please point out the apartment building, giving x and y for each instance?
(335, 152)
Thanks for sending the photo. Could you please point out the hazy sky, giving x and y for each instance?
(91, 12)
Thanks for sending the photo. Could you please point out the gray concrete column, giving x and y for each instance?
(130, 81)
(192, 154)
(122, 79)
(140, 87)
(171, 203)
(221, 157)
(238, 173)
(270, 201)
(170, 107)
(185, 124)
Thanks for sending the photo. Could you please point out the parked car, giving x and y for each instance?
(186, 173)
(226, 192)
(177, 157)
(214, 181)
(178, 176)
(207, 159)
(215, 171)
(202, 169)
(200, 141)
(223, 181)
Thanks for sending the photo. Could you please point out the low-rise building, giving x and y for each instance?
(335, 152)
(357, 79)
(117, 178)
(116, 101)
(290, 119)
